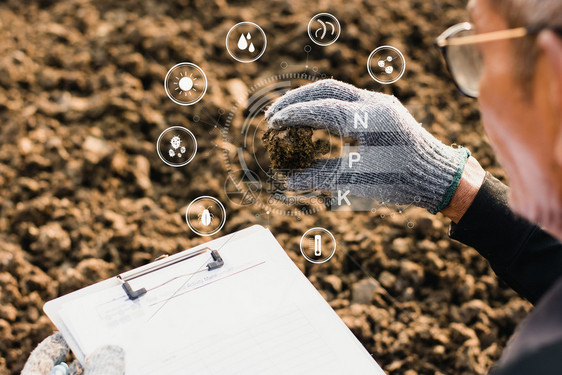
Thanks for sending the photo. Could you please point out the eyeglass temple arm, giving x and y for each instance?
(486, 37)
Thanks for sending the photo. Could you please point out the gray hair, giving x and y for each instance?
(519, 13)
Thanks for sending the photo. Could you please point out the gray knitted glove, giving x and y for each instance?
(107, 360)
(46, 355)
(396, 161)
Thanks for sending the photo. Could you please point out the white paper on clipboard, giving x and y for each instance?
(258, 314)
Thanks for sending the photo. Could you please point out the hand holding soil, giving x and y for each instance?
(396, 160)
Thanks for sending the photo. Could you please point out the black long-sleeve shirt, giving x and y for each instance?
(530, 261)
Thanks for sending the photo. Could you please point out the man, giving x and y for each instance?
(512, 60)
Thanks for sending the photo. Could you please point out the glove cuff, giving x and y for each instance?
(452, 188)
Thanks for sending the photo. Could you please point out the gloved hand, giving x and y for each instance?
(397, 161)
(107, 360)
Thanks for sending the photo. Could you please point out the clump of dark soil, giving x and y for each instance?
(293, 148)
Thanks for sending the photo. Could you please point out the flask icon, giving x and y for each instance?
(317, 245)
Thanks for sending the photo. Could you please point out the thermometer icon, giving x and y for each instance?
(317, 245)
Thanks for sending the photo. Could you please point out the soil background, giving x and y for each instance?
(84, 196)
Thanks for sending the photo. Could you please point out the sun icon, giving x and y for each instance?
(185, 83)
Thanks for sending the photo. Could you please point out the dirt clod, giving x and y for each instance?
(293, 148)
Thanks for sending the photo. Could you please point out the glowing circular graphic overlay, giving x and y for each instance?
(323, 29)
(205, 215)
(243, 131)
(246, 42)
(386, 64)
(176, 146)
(318, 245)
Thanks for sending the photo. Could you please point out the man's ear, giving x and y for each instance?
(551, 46)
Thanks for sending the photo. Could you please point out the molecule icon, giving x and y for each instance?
(387, 69)
(386, 64)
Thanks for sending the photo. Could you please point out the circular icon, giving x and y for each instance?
(318, 245)
(246, 42)
(243, 187)
(185, 83)
(324, 29)
(205, 215)
(176, 146)
(386, 65)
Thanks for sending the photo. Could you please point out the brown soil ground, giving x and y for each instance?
(83, 194)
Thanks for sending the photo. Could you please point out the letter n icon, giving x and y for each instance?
(363, 121)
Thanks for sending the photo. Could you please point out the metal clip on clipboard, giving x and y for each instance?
(217, 262)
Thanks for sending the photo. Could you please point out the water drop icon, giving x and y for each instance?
(245, 42)
(242, 42)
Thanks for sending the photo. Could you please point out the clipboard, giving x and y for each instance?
(235, 305)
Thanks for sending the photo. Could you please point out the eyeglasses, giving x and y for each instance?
(464, 60)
